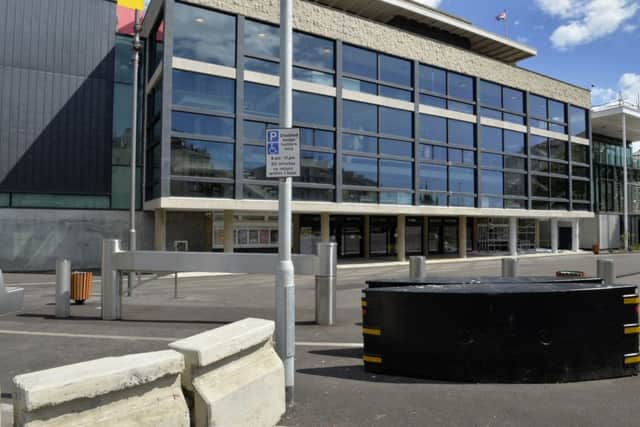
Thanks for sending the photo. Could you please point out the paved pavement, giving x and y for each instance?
(331, 385)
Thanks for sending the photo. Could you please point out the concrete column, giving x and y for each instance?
(462, 237)
(575, 235)
(476, 233)
(228, 231)
(160, 230)
(325, 227)
(425, 236)
(367, 237)
(513, 236)
(295, 245)
(209, 230)
(554, 235)
(401, 239)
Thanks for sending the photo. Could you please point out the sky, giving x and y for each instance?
(590, 43)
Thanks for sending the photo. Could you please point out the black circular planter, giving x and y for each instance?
(502, 332)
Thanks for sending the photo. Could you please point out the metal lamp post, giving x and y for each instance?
(135, 46)
(285, 290)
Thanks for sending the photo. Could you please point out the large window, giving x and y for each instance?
(203, 92)
(501, 103)
(191, 157)
(377, 74)
(504, 165)
(547, 114)
(261, 100)
(378, 150)
(204, 35)
(578, 122)
(311, 108)
(313, 57)
(447, 156)
(446, 89)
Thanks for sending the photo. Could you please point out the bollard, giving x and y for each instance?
(111, 293)
(606, 271)
(509, 267)
(63, 284)
(417, 267)
(326, 284)
(175, 285)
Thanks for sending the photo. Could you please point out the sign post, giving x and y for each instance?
(281, 163)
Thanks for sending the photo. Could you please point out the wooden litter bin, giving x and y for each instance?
(81, 286)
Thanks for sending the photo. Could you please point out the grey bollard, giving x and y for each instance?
(509, 267)
(111, 286)
(326, 284)
(63, 288)
(417, 267)
(606, 271)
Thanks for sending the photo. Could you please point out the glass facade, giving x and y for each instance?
(377, 151)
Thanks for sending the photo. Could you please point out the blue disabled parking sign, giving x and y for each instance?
(273, 142)
(282, 151)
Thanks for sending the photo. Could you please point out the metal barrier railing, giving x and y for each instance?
(115, 262)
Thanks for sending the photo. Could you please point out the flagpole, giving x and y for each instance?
(506, 29)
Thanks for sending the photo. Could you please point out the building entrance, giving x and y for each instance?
(347, 232)
(443, 235)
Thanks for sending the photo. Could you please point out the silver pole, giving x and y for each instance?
(625, 184)
(175, 285)
(135, 47)
(606, 270)
(285, 290)
(417, 267)
(110, 282)
(326, 284)
(509, 267)
(63, 284)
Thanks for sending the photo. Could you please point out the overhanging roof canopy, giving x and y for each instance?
(606, 120)
(482, 42)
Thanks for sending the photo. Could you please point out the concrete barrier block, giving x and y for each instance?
(139, 389)
(233, 375)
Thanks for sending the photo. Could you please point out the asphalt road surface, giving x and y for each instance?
(331, 388)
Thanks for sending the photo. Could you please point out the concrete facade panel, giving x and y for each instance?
(32, 239)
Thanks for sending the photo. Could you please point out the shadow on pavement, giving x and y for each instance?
(357, 373)
(353, 353)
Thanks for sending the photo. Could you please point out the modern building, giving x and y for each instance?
(612, 123)
(421, 134)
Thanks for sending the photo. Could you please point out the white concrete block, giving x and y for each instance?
(246, 392)
(234, 375)
(212, 346)
(138, 389)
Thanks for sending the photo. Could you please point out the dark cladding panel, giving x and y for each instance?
(56, 95)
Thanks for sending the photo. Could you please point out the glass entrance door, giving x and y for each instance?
(347, 232)
(443, 236)
(383, 236)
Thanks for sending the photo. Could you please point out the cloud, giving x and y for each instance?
(430, 3)
(628, 87)
(629, 28)
(586, 20)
